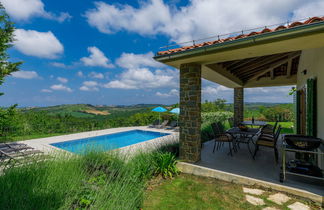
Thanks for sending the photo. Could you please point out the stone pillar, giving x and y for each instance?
(238, 105)
(190, 112)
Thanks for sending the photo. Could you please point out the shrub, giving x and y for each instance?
(210, 117)
(93, 181)
(142, 165)
(165, 165)
(172, 148)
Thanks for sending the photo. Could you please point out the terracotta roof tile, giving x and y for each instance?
(280, 28)
(294, 24)
(265, 30)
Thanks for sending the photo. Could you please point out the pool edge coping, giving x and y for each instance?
(44, 144)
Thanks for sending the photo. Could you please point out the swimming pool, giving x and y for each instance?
(109, 141)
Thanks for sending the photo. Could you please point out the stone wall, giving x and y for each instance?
(190, 112)
(238, 105)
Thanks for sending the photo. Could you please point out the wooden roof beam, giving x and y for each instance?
(264, 62)
(275, 65)
(230, 63)
(242, 63)
(289, 68)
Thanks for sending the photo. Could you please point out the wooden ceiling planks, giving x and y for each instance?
(283, 64)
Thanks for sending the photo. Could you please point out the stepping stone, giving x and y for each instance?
(254, 200)
(279, 198)
(298, 206)
(253, 191)
(270, 208)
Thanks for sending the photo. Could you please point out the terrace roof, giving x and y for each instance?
(241, 36)
(269, 57)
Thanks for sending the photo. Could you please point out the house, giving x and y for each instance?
(289, 54)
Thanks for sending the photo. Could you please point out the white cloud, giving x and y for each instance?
(59, 65)
(80, 74)
(26, 9)
(86, 88)
(131, 60)
(89, 86)
(214, 90)
(268, 94)
(61, 88)
(312, 8)
(269, 90)
(25, 74)
(39, 44)
(96, 75)
(171, 93)
(96, 58)
(90, 83)
(109, 18)
(197, 19)
(142, 78)
(46, 91)
(62, 79)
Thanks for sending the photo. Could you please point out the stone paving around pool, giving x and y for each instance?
(253, 196)
(44, 144)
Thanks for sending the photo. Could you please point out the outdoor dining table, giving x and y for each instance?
(243, 136)
(255, 123)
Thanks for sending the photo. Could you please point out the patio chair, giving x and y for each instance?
(163, 124)
(154, 124)
(268, 141)
(172, 125)
(221, 137)
(10, 157)
(269, 129)
(14, 146)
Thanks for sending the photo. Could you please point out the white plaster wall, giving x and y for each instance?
(312, 60)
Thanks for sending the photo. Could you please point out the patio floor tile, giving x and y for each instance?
(270, 208)
(279, 198)
(253, 191)
(298, 206)
(254, 200)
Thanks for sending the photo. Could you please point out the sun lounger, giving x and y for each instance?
(154, 124)
(172, 125)
(14, 146)
(13, 154)
(163, 124)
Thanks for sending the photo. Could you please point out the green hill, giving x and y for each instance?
(92, 111)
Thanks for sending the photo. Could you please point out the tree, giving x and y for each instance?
(215, 106)
(6, 39)
(8, 122)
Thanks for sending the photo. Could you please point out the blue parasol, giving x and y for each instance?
(175, 111)
(159, 109)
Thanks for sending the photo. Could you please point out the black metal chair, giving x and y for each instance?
(220, 136)
(266, 140)
(269, 129)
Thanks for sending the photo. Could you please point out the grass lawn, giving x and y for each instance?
(287, 127)
(33, 136)
(193, 192)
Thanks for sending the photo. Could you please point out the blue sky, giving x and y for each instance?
(100, 52)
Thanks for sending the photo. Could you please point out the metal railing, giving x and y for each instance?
(232, 34)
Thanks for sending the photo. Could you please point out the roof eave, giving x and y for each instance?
(244, 42)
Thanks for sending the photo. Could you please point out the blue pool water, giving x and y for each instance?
(108, 142)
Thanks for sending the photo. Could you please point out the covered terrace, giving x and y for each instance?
(272, 56)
